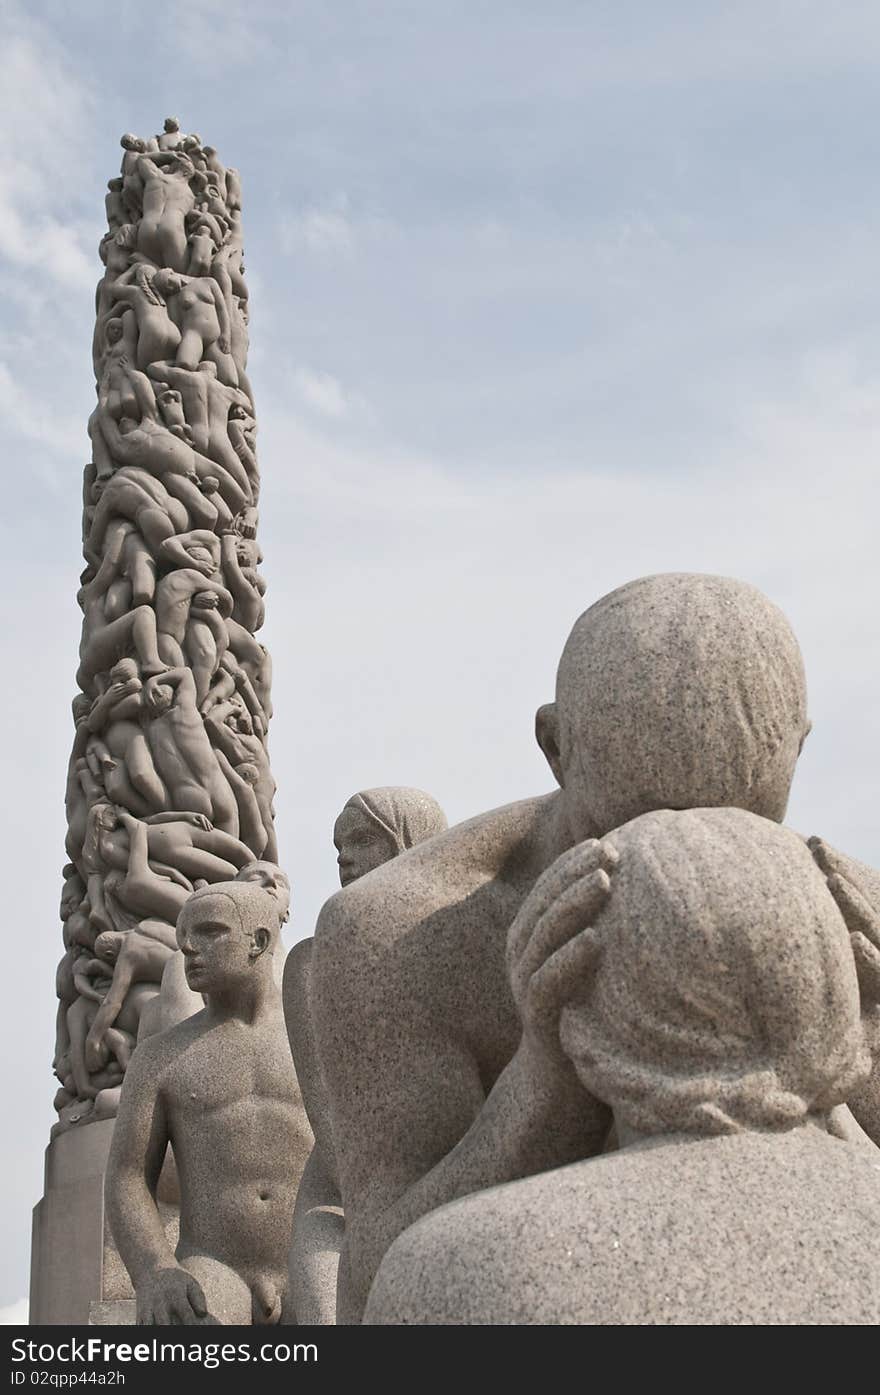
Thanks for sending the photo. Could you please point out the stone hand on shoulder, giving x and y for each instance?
(856, 891)
(549, 944)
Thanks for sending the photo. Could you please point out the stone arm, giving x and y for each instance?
(226, 741)
(258, 712)
(149, 165)
(167, 372)
(251, 829)
(145, 395)
(173, 550)
(222, 316)
(412, 1123)
(856, 890)
(159, 930)
(241, 684)
(83, 970)
(212, 223)
(316, 1245)
(165, 1292)
(189, 582)
(179, 678)
(176, 816)
(237, 437)
(115, 536)
(318, 1218)
(140, 959)
(97, 756)
(93, 792)
(81, 735)
(225, 602)
(128, 276)
(249, 607)
(114, 441)
(127, 287)
(193, 398)
(144, 890)
(121, 701)
(139, 258)
(138, 846)
(109, 568)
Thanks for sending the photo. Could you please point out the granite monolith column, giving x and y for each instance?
(169, 783)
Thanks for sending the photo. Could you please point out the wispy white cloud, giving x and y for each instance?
(333, 228)
(26, 416)
(324, 394)
(44, 110)
(39, 241)
(224, 34)
(326, 229)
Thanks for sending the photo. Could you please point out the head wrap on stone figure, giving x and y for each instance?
(676, 691)
(718, 990)
(378, 824)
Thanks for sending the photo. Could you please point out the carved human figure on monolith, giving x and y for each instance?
(374, 826)
(710, 997)
(221, 1088)
(675, 691)
(167, 197)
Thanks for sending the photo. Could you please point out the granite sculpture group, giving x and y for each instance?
(605, 1055)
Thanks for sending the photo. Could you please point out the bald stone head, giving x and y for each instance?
(676, 691)
(228, 932)
(270, 877)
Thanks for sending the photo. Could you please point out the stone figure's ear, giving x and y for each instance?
(260, 942)
(807, 729)
(547, 733)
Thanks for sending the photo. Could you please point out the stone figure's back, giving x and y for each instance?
(779, 1228)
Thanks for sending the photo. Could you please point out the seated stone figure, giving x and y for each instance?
(711, 999)
(220, 1088)
(374, 826)
(675, 691)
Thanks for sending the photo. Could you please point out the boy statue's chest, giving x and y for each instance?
(223, 1069)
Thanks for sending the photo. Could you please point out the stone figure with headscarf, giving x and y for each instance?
(378, 824)
(374, 826)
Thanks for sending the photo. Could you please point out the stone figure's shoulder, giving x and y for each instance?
(160, 1053)
(296, 985)
(384, 906)
(297, 966)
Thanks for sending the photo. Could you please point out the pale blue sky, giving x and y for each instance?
(543, 298)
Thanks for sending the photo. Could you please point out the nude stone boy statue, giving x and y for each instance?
(220, 1088)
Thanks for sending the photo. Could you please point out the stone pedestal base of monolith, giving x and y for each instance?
(75, 1267)
(73, 1260)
